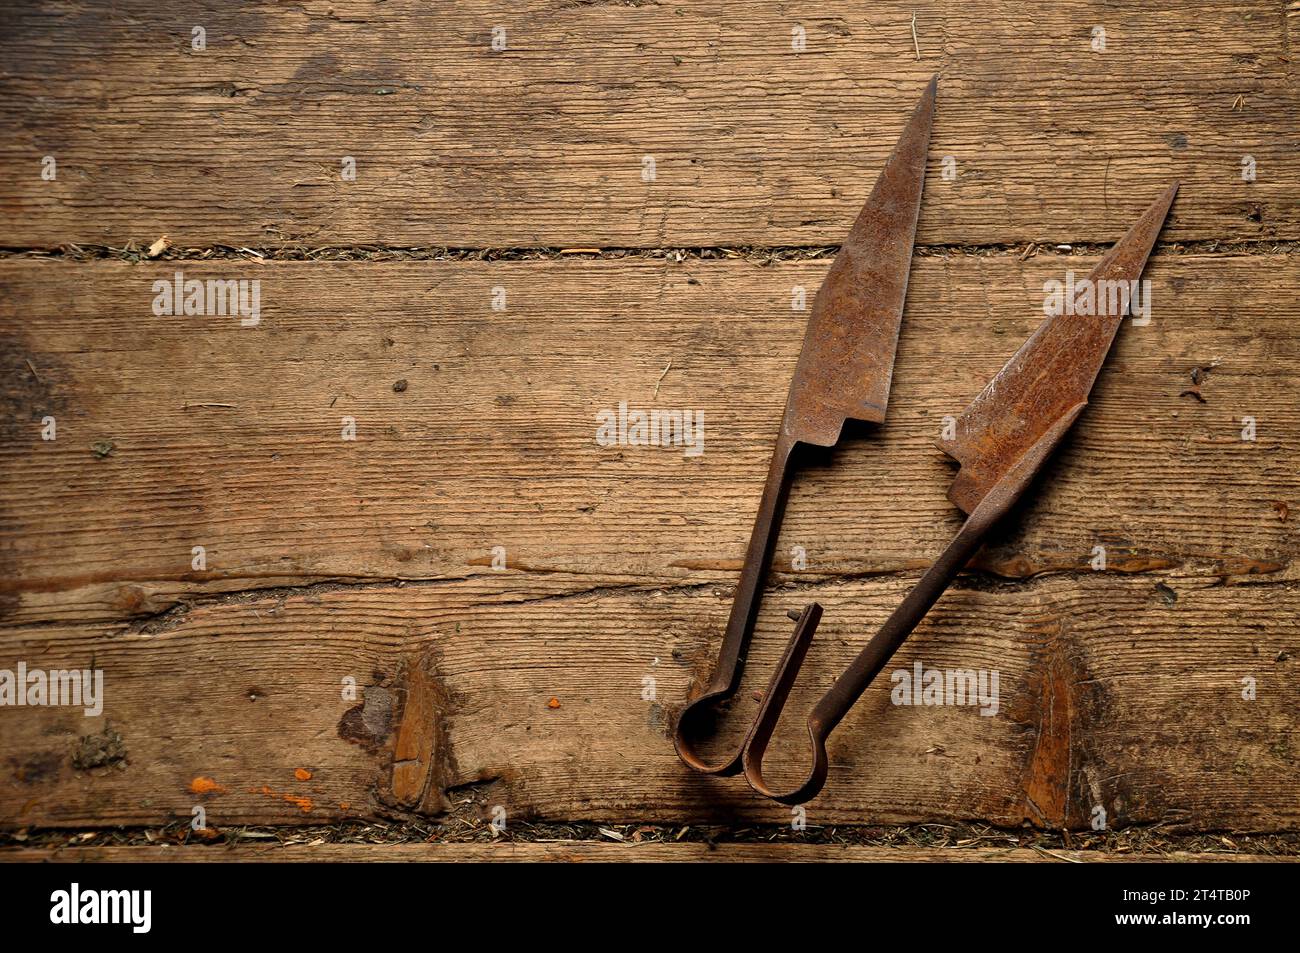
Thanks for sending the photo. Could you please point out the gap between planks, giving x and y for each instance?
(753, 253)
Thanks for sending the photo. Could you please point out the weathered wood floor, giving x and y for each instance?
(521, 609)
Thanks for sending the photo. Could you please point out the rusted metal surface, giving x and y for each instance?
(1053, 370)
(1001, 442)
(843, 373)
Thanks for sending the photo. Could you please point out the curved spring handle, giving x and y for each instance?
(769, 713)
(696, 720)
(848, 688)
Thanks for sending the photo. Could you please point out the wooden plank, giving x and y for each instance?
(1108, 697)
(620, 560)
(229, 437)
(577, 852)
(544, 142)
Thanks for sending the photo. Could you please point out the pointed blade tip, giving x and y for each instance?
(923, 114)
(1152, 221)
(927, 97)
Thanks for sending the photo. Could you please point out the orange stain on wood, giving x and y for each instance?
(303, 804)
(202, 785)
(302, 774)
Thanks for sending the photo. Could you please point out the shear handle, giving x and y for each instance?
(697, 719)
(848, 688)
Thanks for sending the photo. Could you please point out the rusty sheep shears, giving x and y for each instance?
(844, 373)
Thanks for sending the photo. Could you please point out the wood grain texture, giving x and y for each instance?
(371, 559)
(620, 559)
(1108, 696)
(506, 852)
(230, 438)
(543, 143)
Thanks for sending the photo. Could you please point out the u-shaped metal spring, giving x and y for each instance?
(848, 688)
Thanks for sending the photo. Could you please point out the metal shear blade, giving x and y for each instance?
(1002, 441)
(843, 373)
